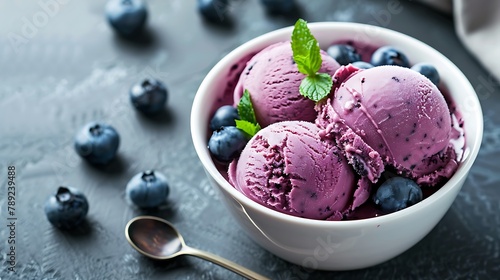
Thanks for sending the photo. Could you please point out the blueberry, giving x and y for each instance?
(97, 143)
(226, 143)
(127, 17)
(213, 10)
(147, 189)
(149, 96)
(427, 70)
(278, 6)
(362, 65)
(388, 55)
(67, 208)
(224, 116)
(343, 54)
(397, 193)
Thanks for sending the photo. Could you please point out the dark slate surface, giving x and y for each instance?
(68, 68)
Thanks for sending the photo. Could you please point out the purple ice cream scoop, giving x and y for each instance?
(289, 168)
(273, 80)
(390, 116)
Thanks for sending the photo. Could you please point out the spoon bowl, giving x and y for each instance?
(158, 239)
(154, 237)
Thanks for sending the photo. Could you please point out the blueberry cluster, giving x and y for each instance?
(97, 143)
(227, 141)
(128, 17)
(386, 55)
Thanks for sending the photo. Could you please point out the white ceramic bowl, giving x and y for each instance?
(339, 245)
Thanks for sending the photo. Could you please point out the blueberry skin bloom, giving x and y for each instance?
(147, 189)
(343, 54)
(97, 143)
(427, 70)
(388, 55)
(67, 208)
(226, 143)
(213, 10)
(397, 193)
(224, 116)
(149, 96)
(127, 17)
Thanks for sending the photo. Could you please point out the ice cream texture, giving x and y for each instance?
(273, 80)
(289, 168)
(390, 117)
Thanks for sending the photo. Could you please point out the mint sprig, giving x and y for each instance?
(317, 86)
(247, 122)
(306, 53)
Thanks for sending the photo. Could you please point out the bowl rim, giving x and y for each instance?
(199, 134)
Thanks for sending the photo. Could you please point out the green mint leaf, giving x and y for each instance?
(307, 55)
(314, 57)
(305, 48)
(316, 87)
(300, 37)
(245, 108)
(249, 128)
(248, 122)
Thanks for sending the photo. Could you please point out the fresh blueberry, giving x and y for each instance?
(343, 54)
(362, 65)
(278, 6)
(388, 55)
(127, 17)
(97, 142)
(224, 116)
(67, 208)
(148, 189)
(149, 96)
(213, 10)
(226, 143)
(427, 70)
(397, 193)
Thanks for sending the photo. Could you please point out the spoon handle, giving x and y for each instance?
(245, 272)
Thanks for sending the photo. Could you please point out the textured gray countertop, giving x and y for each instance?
(61, 66)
